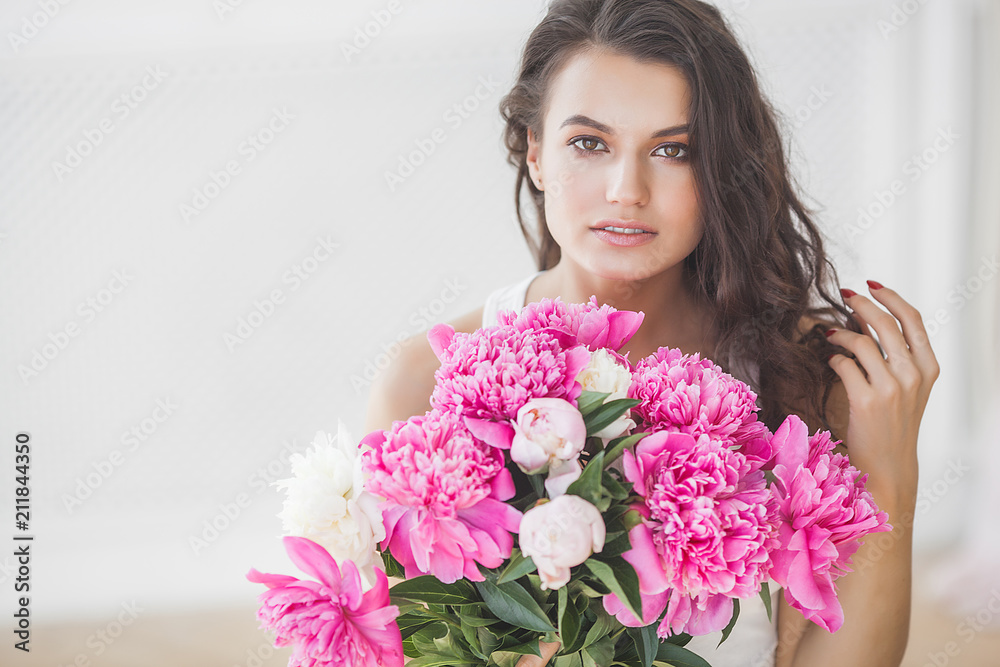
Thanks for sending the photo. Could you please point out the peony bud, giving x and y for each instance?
(547, 431)
(605, 375)
(559, 535)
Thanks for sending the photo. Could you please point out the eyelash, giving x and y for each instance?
(589, 153)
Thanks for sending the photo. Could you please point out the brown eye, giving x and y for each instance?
(587, 144)
(673, 151)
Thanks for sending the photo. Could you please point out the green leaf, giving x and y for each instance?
(765, 596)
(411, 623)
(732, 622)
(618, 446)
(511, 603)
(487, 640)
(621, 578)
(588, 400)
(616, 545)
(526, 648)
(604, 624)
(599, 654)
(588, 485)
(424, 639)
(680, 639)
(568, 661)
(646, 643)
(392, 566)
(606, 414)
(518, 566)
(614, 488)
(431, 590)
(569, 619)
(677, 656)
(439, 660)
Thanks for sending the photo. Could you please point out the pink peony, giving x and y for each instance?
(547, 432)
(681, 392)
(592, 325)
(709, 522)
(331, 622)
(487, 375)
(444, 491)
(824, 511)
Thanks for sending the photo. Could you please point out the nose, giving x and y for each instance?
(627, 184)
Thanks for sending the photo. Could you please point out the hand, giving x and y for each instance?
(887, 405)
(548, 650)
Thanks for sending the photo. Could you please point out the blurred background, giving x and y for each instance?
(217, 217)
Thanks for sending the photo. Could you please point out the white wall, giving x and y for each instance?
(436, 244)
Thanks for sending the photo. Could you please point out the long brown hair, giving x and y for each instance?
(760, 266)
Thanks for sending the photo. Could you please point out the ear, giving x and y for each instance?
(533, 158)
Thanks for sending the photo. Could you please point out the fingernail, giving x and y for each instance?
(847, 293)
(830, 356)
(830, 332)
(874, 285)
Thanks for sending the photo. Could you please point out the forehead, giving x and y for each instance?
(619, 91)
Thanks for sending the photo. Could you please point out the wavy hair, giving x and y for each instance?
(760, 266)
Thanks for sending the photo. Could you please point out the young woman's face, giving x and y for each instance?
(614, 153)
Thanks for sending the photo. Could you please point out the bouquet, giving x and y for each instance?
(558, 492)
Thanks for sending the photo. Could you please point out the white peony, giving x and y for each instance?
(559, 535)
(603, 374)
(326, 502)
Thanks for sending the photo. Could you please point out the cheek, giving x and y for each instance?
(571, 190)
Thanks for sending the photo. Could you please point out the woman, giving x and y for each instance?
(658, 178)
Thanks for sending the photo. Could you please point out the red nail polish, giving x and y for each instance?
(874, 285)
(830, 356)
(847, 293)
(830, 332)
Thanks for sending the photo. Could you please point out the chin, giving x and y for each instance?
(624, 267)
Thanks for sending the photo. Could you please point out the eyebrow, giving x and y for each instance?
(580, 119)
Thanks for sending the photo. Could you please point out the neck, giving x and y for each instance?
(672, 316)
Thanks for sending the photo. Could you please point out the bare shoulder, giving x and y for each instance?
(404, 388)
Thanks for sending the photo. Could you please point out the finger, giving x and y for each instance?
(867, 352)
(914, 331)
(889, 336)
(855, 383)
(862, 324)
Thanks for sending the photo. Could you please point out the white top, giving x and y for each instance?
(754, 638)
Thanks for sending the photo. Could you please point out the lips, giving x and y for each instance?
(623, 226)
(623, 233)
